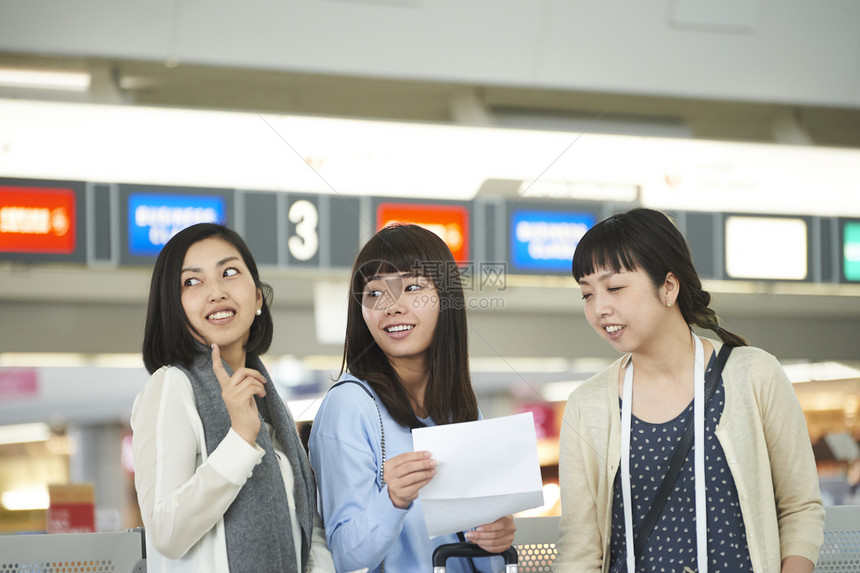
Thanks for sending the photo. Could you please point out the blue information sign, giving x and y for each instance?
(545, 240)
(153, 218)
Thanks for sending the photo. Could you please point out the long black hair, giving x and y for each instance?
(167, 337)
(648, 239)
(449, 396)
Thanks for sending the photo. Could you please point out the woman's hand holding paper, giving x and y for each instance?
(406, 474)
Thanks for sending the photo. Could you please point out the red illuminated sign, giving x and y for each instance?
(37, 220)
(449, 222)
(71, 509)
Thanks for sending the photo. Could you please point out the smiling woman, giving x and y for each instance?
(220, 297)
(210, 431)
(405, 365)
(401, 311)
(635, 496)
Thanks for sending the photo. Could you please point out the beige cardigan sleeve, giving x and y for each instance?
(800, 514)
(764, 436)
(588, 459)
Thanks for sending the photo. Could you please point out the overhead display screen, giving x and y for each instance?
(47, 221)
(153, 218)
(766, 248)
(37, 220)
(449, 222)
(544, 241)
(851, 251)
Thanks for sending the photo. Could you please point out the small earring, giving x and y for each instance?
(668, 304)
(259, 311)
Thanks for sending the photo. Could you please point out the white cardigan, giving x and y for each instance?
(183, 492)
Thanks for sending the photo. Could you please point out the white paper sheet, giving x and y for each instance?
(486, 470)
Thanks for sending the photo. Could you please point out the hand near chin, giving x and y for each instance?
(238, 393)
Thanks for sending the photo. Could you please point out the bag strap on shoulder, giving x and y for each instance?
(712, 376)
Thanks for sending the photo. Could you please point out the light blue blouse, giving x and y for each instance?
(362, 524)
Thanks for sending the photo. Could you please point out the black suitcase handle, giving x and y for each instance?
(442, 553)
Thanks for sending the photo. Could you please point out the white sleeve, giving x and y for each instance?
(180, 498)
(320, 560)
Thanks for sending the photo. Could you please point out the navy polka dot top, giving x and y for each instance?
(672, 544)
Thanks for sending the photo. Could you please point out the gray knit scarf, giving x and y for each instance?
(257, 523)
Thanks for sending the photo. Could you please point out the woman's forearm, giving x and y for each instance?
(796, 564)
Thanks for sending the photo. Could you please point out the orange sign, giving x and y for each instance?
(449, 222)
(37, 220)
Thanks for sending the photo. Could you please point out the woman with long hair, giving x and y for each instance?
(405, 366)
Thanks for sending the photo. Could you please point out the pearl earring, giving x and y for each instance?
(259, 311)
(668, 304)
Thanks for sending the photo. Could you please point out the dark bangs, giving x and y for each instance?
(404, 249)
(604, 246)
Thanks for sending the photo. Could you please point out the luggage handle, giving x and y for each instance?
(442, 553)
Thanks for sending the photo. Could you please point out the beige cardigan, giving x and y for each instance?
(763, 434)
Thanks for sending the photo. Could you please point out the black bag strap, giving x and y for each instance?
(469, 548)
(712, 376)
